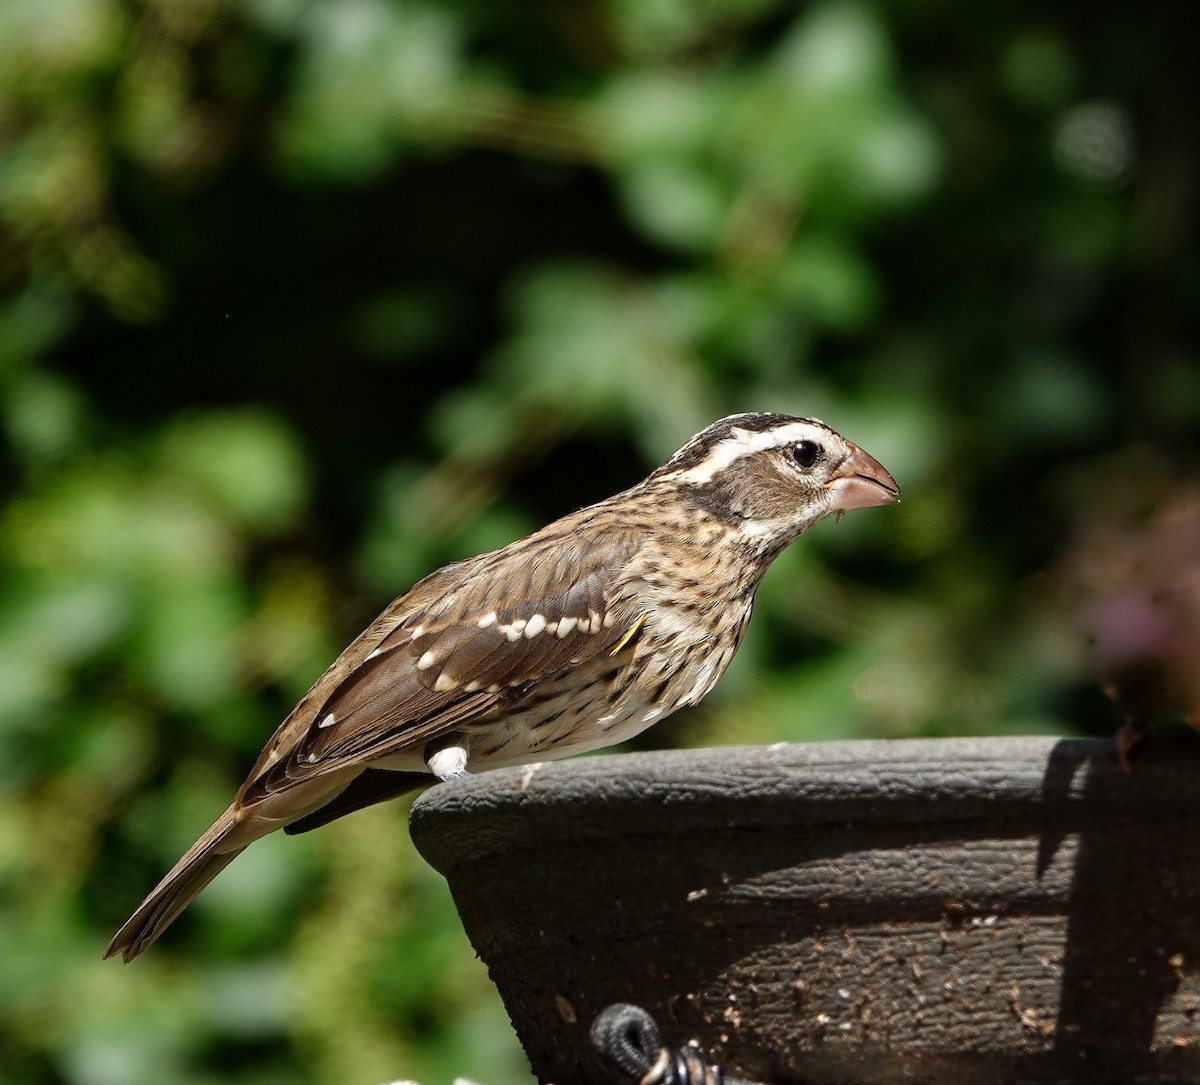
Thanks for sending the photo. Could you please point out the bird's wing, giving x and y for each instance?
(461, 643)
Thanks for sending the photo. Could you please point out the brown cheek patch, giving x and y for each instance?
(757, 489)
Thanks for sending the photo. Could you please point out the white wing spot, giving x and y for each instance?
(312, 759)
(377, 652)
(328, 721)
(583, 626)
(534, 626)
(415, 632)
(472, 687)
(445, 682)
(426, 661)
(488, 619)
(513, 631)
(565, 625)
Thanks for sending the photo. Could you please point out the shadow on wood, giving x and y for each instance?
(1004, 910)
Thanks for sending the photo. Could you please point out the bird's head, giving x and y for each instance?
(774, 476)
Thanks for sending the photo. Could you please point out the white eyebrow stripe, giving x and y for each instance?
(742, 442)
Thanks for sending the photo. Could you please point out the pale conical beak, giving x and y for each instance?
(860, 482)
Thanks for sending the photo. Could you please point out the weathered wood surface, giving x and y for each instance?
(997, 910)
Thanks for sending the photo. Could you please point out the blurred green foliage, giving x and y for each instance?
(301, 298)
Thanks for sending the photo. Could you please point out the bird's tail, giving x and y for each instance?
(202, 862)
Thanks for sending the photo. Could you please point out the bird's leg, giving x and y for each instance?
(1129, 737)
(447, 757)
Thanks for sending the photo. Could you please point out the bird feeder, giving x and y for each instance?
(983, 910)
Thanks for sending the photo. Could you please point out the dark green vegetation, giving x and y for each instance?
(301, 298)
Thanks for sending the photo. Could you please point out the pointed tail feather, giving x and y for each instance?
(202, 862)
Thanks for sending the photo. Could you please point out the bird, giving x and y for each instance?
(576, 637)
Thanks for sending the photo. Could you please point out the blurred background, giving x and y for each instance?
(300, 299)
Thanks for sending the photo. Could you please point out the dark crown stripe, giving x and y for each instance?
(699, 447)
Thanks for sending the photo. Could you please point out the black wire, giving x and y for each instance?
(628, 1041)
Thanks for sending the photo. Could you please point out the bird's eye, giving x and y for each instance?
(806, 453)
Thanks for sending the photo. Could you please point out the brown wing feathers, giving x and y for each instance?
(448, 660)
(452, 651)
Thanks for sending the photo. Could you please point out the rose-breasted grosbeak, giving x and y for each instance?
(579, 636)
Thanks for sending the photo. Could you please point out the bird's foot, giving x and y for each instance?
(448, 762)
